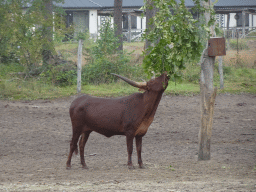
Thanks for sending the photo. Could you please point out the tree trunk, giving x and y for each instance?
(208, 94)
(118, 22)
(48, 32)
(150, 12)
(207, 106)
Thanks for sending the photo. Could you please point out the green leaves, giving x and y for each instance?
(175, 38)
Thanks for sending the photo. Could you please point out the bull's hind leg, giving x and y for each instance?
(73, 147)
(139, 147)
(82, 143)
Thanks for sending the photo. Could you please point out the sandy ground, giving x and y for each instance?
(35, 139)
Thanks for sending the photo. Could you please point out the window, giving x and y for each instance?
(69, 18)
(133, 21)
(239, 21)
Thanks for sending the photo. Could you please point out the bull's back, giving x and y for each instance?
(97, 114)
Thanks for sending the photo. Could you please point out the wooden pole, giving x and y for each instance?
(79, 66)
(129, 27)
(221, 73)
(228, 20)
(243, 23)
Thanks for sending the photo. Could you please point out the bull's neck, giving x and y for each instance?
(152, 100)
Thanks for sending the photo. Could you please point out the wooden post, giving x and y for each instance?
(243, 23)
(129, 27)
(221, 73)
(79, 66)
(228, 20)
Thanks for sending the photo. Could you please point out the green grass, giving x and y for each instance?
(18, 89)
(237, 79)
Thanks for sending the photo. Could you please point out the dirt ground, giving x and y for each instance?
(35, 139)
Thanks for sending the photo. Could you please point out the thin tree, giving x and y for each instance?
(150, 12)
(48, 47)
(118, 22)
(208, 94)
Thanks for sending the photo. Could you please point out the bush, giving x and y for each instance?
(7, 69)
(103, 59)
(242, 44)
(100, 71)
(60, 73)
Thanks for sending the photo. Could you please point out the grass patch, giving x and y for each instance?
(237, 78)
(238, 81)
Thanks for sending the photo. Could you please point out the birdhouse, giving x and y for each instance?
(216, 46)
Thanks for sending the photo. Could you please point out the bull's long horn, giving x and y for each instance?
(132, 83)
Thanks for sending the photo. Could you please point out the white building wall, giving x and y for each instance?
(254, 20)
(139, 22)
(232, 22)
(250, 20)
(93, 22)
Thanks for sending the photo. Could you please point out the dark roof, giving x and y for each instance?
(89, 4)
(101, 4)
(235, 3)
(98, 3)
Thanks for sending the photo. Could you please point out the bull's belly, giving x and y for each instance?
(109, 133)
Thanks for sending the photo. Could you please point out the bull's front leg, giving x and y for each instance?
(139, 148)
(129, 142)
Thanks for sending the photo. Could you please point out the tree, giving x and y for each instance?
(47, 29)
(177, 40)
(150, 12)
(26, 34)
(208, 94)
(174, 38)
(6, 31)
(118, 22)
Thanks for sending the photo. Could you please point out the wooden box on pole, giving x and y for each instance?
(216, 46)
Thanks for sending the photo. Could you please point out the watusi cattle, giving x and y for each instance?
(129, 116)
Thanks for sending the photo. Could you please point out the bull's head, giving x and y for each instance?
(155, 84)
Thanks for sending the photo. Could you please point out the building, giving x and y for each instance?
(236, 16)
(231, 15)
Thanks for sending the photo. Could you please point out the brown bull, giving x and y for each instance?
(130, 116)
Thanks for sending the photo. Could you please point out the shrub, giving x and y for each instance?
(103, 59)
(242, 44)
(60, 73)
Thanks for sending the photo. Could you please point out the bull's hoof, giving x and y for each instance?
(68, 167)
(131, 167)
(85, 167)
(142, 167)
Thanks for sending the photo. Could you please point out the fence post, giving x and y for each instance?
(79, 66)
(221, 73)
(129, 27)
